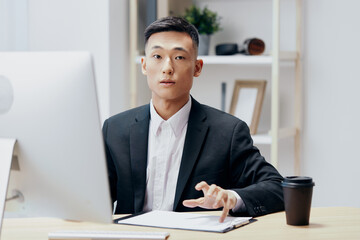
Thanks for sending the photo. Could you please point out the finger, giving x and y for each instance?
(202, 186)
(224, 213)
(213, 189)
(191, 203)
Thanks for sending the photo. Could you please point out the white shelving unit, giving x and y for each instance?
(276, 133)
(242, 59)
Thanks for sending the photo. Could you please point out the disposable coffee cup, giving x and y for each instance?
(297, 198)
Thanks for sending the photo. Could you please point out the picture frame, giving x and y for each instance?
(247, 100)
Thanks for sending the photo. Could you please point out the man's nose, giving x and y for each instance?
(168, 67)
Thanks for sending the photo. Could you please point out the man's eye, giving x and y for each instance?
(156, 56)
(179, 57)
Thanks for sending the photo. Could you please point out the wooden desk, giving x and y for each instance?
(325, 223)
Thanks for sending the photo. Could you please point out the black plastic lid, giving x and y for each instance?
(297, 181)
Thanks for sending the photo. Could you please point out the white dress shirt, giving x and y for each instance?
(165, 149)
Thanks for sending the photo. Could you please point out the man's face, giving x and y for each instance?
(170, 65)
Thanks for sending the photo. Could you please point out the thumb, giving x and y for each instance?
(191, 203)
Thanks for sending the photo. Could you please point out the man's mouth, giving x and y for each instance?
(167, 82)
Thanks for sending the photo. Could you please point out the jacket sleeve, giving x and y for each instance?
(256, 181)
(110, 165)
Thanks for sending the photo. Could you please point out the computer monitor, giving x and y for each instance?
(49, 105)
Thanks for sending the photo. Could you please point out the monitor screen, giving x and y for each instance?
(49, 105)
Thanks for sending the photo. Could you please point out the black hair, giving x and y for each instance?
(171, 23)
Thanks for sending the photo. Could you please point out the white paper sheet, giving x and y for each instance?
(188, 221)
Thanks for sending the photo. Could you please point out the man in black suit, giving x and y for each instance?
(177, 154)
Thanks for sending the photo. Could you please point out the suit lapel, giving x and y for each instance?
(138, 154)
(195, 136)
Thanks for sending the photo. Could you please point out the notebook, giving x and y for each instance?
(185, 221)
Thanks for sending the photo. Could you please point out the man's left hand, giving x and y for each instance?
(214, 197)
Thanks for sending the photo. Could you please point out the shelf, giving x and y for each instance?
(262, 139)
(239, 59)
(265, 138)
(274, 59)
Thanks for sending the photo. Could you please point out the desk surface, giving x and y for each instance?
(325, 223)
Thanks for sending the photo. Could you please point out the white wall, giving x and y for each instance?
(13, 25)
(97, 26)
(331, 86)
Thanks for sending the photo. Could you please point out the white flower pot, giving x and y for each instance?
(204, 42)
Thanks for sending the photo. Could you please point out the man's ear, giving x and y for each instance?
(143, 65)
(198, 67)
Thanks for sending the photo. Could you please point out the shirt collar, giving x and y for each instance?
(177, 121)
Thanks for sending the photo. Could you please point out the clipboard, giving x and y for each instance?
(184, 221)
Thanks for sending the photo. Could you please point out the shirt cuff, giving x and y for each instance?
(240, 205)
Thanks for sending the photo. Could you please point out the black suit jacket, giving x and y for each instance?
(218, 149)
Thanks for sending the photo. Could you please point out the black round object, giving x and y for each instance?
(226, 49)
(297, 182)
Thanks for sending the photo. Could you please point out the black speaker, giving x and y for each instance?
(226, 49)
(251, 46)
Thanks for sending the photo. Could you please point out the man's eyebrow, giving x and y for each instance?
(180, 49)
(175, 48)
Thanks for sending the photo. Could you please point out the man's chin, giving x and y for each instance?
(171, 98)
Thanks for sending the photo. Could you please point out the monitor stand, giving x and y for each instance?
(7, 146)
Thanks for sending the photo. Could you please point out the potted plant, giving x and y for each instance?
(207, 23)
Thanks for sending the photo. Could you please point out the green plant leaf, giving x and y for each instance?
(205, 20)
